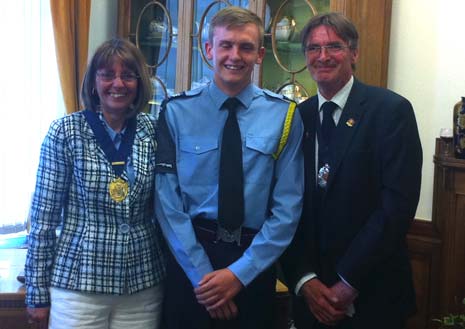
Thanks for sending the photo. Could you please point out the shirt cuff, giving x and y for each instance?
(244, 270)
(345, 282)
(351, 308)
(300, 283)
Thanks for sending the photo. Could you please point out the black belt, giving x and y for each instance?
(208, 230)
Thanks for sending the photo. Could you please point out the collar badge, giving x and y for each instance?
(350, 122)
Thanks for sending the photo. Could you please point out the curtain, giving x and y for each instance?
(71, 30)
(30, 98)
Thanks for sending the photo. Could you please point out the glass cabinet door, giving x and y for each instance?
(284, 69)
(153, 30)
(172, 35)
(202, 71)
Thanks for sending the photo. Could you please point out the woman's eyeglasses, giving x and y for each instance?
(110, 76)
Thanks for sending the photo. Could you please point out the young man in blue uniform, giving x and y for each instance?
(221, 277)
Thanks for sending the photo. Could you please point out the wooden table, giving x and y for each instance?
(12, 308)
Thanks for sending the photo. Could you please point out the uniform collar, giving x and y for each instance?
(218, 96)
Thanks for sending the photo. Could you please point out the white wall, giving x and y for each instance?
(103, 18)
(427, 66)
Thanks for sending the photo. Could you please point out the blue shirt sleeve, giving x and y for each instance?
(178, 230)
(175, 223)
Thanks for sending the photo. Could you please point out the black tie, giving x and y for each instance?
(327, 130)
(324, 140)
(231, 177)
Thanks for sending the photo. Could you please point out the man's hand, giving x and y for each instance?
(344, 293)
(217, 288)
(38, 317)
(322, 302)
(226, 312)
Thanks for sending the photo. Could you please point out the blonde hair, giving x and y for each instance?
(235, 16)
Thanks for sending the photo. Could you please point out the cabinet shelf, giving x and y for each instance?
(285, 46)
(448, 218)
(156, 43)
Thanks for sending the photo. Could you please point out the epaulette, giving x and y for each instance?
(170, 98)
(193, 92)
(289, 99)
(277, 96)
(184, 94)
(287, 121)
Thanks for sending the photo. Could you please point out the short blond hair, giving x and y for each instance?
(232, 16)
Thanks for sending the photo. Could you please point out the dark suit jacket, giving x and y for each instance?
(363, 218)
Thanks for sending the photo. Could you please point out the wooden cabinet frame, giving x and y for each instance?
(373, 21)
(372, 18)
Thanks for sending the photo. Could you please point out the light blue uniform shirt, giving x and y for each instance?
(273, 189)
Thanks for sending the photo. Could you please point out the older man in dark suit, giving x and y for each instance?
(348, 264)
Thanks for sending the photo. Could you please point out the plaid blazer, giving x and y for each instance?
(92, 254)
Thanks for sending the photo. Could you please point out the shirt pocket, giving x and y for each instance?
(258, 157)
(197, 160)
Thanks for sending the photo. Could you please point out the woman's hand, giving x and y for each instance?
(38, 317)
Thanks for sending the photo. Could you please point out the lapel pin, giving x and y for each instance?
(350, 122)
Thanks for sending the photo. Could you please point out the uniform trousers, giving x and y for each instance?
(255, 302)
(79, 310)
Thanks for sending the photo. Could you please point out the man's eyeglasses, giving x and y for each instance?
(332, 49)
(110, 76)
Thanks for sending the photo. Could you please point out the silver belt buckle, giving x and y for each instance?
(223, 234)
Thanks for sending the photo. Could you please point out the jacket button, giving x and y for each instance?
(124, 228)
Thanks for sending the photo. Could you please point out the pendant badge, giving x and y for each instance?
(323, 175)
(118, 189)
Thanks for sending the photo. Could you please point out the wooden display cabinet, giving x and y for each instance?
(12, 292)
(449, 220)
(424, 246)
(171, 34)
(437, 247)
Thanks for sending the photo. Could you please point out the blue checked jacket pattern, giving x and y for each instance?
(92, 254)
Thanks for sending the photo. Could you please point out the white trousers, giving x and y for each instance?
(77, 310)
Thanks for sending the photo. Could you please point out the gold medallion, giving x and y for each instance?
(119, 189)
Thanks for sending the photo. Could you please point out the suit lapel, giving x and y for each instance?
(92, 144)
(140, 148)
(309, 114)
(347, 126)
(142, 157)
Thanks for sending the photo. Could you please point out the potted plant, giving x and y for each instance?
(452, 321)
